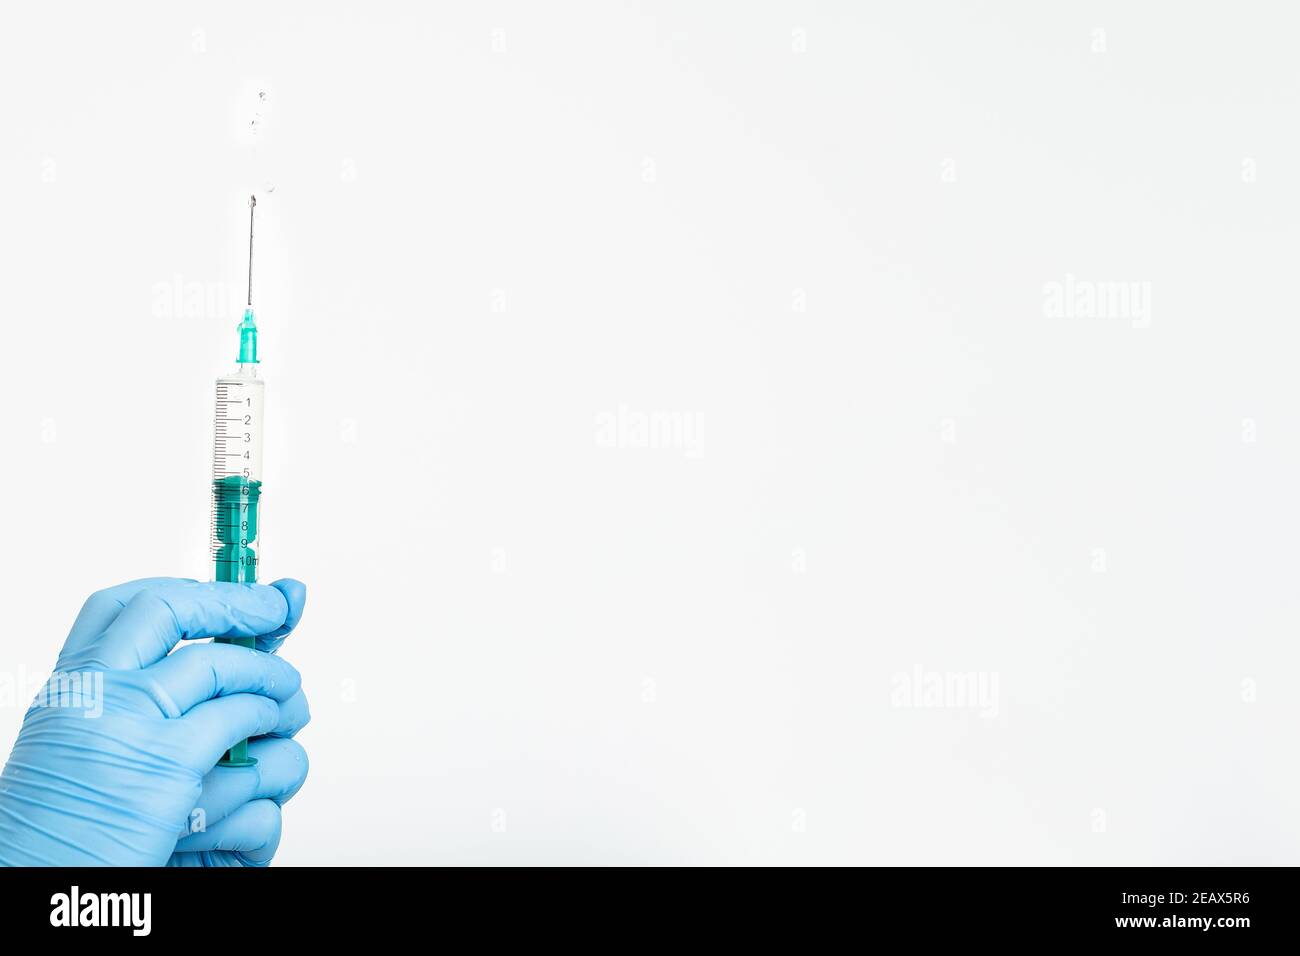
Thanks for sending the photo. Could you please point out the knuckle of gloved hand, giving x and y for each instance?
(268, 715)
(158, 612)
(274, 677)
(100, 602)
(295, 714)
(146, 690)
(288, 680)
(85, 659)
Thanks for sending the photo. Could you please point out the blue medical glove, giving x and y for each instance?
(115, 762)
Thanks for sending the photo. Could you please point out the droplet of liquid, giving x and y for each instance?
(255, 125)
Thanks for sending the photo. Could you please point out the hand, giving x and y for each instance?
(115, 762)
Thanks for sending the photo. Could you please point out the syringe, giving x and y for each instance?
(237, 472)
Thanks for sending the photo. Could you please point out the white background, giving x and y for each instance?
(820, 236)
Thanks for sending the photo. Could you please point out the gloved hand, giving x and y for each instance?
(115, 762)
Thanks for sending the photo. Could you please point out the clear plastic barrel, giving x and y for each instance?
(237, 477)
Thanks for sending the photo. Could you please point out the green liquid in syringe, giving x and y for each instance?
(235, 501)
(235, 504)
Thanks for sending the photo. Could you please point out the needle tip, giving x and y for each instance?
(252, 201)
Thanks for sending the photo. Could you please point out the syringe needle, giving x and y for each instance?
(252, 205)
(248, 327)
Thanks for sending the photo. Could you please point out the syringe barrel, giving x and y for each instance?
(237, 496)
(237, 478)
